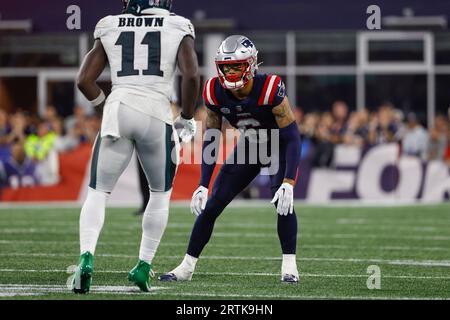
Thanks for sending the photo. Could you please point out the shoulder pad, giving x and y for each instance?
(102, 26)
(269, 89)
(184, 25)
(209, 95)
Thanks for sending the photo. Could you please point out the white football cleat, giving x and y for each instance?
(289, 271)
(177, 274)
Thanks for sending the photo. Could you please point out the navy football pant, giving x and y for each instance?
(231, 180)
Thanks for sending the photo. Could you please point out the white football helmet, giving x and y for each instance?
(236, 50)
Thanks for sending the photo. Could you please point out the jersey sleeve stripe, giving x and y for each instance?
(205, 98)
(211, 92)
(269, 89)
(274, 89)
(208, 92)
(266, 84)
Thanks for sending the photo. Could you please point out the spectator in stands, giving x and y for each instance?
(437, 144)
(399, 123)
(324, 147)
(5, 128)
(298, 113)
(19, 124)
(357, 131)
(40, 147)
(71, 139)
(382, 126)
(18, 170)
(415, 140)
(438, 139)
(75, 131)
(92, 125)
(339, 112)
(5, 135)
(309, 125)
(77, 118)
(54, 121)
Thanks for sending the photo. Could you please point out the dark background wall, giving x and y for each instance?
(50, 15)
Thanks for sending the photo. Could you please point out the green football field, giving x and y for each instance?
(336, 246)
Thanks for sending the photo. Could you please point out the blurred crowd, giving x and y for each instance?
(29, 145)
(321, 132)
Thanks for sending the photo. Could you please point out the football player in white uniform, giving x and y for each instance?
(143, 46)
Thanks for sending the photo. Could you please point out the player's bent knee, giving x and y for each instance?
(98, 193)
(159, 201)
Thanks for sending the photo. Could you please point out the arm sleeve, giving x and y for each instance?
(290, 138)
(210, 152)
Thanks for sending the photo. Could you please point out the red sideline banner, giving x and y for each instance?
(73, 167)
(74, 179)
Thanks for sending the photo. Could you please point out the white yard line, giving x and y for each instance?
(47, 288)
(11, 225)
(24, 289)
(18, 294)
(240, 274)
(406, 262)
(233, 245)
(360, 236)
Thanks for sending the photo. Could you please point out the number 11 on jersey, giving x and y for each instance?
(153, 42)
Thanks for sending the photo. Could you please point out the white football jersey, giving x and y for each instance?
(142, 53)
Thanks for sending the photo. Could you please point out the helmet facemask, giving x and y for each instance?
(234, 75)
(236, 62)
(124, 5)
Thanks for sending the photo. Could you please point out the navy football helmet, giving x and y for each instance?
(136, 6)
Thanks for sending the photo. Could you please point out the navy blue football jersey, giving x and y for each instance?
(14, 175)
(255, 111)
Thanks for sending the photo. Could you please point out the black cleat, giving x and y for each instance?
(289, 278)
(167, 277)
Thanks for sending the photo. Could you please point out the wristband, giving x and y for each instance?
(99, 100)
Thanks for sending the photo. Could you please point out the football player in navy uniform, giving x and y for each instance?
(248, 101)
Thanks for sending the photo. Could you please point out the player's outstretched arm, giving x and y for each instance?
(283, 114)
(211, 142)
(210, 152)
(213, 120)
(190, 83)
(92, 66)
(290, 137)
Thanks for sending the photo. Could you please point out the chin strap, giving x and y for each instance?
(233, 85)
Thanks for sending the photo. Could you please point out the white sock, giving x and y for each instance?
(154, 223)
(289, 265)
(189, 263)
(185, 269)
(91, 219)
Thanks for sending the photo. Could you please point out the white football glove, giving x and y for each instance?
(189, 128)
(285, 197)
(199, 198)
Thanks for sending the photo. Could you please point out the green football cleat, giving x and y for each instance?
(83, 275)
(140, 275)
